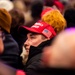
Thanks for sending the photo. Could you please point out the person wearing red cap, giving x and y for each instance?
(39, 36)
(56, 4)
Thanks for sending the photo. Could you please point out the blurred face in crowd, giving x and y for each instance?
(62, 52)
(34, 39)
(71, 1)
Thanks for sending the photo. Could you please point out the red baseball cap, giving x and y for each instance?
(59, 5)
(41, 28)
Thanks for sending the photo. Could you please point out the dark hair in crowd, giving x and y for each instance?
(17, 18)
(36, 8)
(49, 2)
(70, 17)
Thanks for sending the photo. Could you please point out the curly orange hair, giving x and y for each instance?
(54, 18)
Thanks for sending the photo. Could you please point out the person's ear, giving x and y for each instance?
(48, 38)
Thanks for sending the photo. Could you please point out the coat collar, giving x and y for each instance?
(36, 50)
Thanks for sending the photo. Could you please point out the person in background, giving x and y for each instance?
(17, 21)
(69, 14)
(7, 70)
(64, 2)
(10, 54)
(54, 4)
(61, 54)
(17, 17)
(6, 4)
(19, 4)
(34, 14)
(54, 18)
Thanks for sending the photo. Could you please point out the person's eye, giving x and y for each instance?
(32, 37)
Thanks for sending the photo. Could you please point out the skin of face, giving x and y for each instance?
(33, 40)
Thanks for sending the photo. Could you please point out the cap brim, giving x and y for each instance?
(27, 29)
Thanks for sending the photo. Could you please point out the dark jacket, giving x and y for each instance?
(34, 60)
(11, 54)
(18, 37)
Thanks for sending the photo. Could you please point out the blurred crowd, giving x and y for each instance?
(37, 37)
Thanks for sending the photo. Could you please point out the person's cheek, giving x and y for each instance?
(35, 43)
